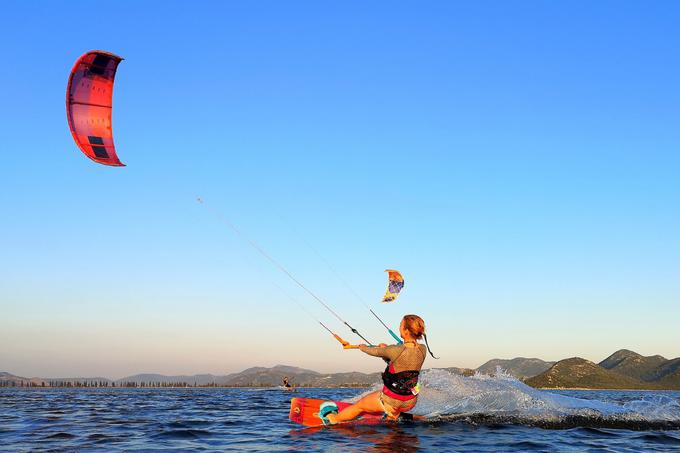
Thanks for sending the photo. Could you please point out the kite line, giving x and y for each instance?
(351, 290)
(279, 266)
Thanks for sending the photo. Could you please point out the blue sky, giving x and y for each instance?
(517, 161)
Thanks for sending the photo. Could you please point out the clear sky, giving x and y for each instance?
(519, 162)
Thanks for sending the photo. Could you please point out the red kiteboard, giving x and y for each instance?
(305, 412)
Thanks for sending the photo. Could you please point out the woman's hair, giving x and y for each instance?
(416, 327)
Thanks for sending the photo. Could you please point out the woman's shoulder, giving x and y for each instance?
(420, 347)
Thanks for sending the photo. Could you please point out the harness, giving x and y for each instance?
(402, 383)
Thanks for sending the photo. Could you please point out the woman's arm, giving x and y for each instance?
(386, 352)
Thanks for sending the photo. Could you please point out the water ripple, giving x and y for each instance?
(250, 420)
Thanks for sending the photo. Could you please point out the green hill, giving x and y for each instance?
(634, 365)
(581, 373)
(519, 367)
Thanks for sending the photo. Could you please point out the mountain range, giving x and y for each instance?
(624, 369)
(251, 377)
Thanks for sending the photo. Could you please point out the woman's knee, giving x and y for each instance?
(370, 402)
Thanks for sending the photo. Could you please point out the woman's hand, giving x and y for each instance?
(382, 345)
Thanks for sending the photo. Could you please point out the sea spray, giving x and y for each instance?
(446, 393)
(655, 407)
(504, 399)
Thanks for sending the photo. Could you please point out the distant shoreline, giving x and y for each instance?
(278, 388)
(624, 370)
(299, 388)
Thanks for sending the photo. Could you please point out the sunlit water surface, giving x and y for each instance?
(464, 414)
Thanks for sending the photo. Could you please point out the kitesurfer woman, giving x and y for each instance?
(400, 391)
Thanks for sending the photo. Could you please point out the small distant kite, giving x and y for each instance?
(89, 98)
(394, 286)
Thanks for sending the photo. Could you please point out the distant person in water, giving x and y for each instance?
(400, 390)
(286, 383)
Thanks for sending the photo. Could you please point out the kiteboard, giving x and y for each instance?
(287, 389)
(305, 411)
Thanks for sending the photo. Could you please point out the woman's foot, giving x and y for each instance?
(327, 412)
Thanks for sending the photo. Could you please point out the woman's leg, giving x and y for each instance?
(393, 412)
(369, 403)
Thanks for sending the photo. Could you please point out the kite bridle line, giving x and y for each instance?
(285, 271)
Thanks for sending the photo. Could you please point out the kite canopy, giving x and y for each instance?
(394, 286)
(88, 105)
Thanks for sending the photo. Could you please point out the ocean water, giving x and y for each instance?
(476, 413)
